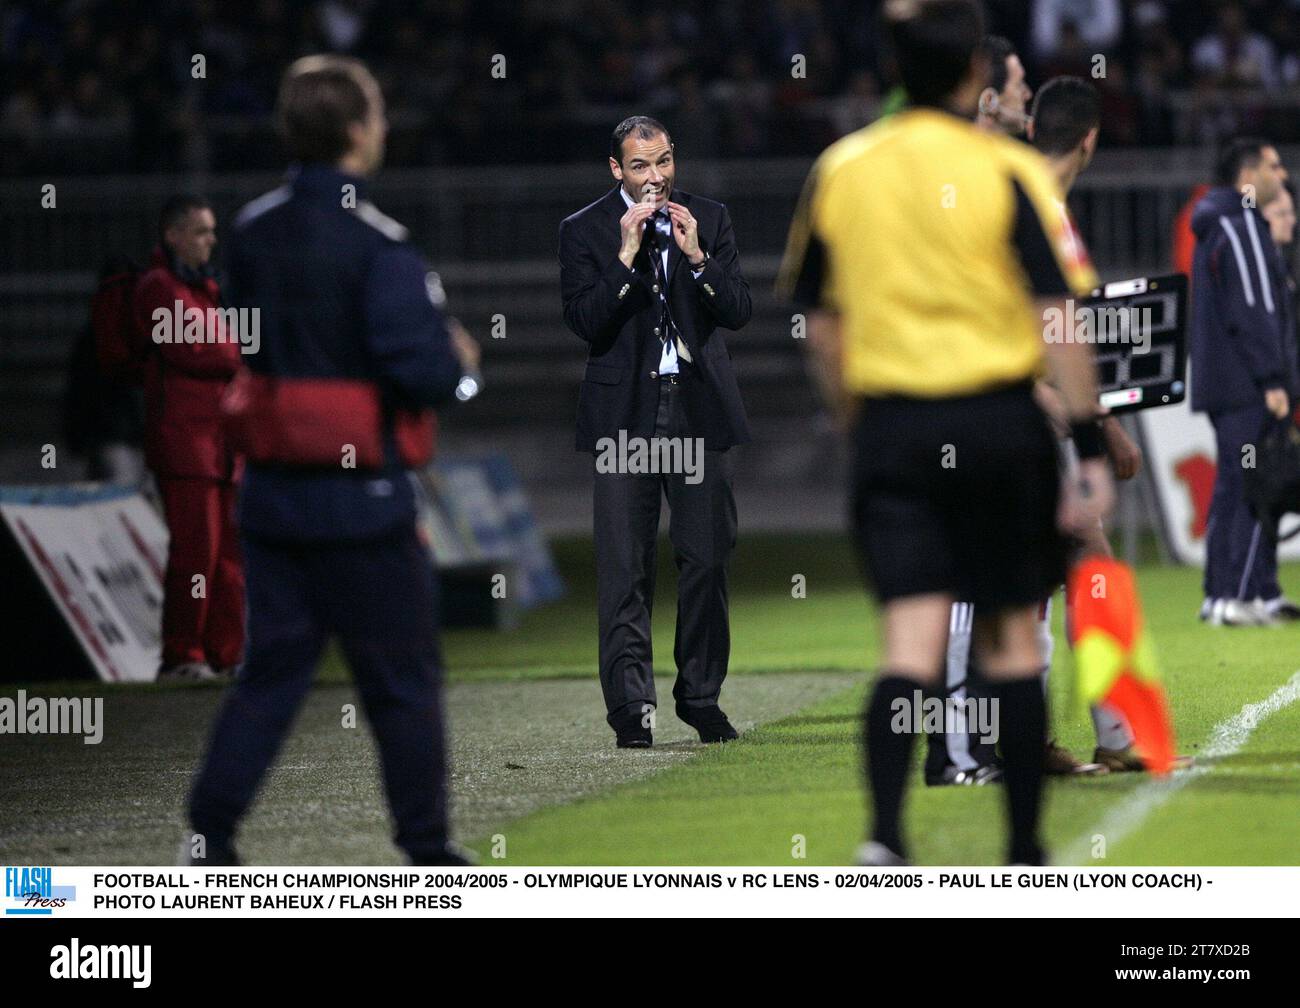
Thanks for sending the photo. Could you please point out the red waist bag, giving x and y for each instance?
(310, 421)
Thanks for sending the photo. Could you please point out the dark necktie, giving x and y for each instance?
(666, 325)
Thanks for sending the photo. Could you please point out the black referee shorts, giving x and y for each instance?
(958, 496)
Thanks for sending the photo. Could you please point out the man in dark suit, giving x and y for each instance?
(648, 273)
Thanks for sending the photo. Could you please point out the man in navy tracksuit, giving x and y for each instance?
(332, 550)
(1243, 374)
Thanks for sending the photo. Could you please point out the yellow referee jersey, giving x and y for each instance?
(931, 239)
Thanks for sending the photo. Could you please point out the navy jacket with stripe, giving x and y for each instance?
(342, 293)
(1242, 338)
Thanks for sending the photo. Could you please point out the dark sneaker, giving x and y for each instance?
(1282, 609)
(1127, 760)
(955, 777)
(1060, 762)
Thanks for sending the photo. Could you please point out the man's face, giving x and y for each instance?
(647, 167)
(1267, 176)
(192, 237)
(1014, 99)
(1280, 215)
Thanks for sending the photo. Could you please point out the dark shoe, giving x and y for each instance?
(1283, 610)
(631, 733)
(1031, 857)
(955, 777)
(1128, 761)
(218, 856)
(1060, 762)
(710, 722)
(451, 855)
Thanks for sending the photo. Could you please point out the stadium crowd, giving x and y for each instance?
(104, 85)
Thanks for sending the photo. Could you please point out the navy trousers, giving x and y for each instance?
(380, 598)
(1241, 558)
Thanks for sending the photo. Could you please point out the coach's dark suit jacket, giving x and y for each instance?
(616, 310)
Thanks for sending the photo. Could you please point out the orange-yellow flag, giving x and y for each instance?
(1113, 657)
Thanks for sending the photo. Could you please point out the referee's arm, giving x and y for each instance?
(802, 281)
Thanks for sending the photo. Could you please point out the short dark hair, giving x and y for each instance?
(1238, 153)
(643, 126)
(320, 96)
(934, 44)
(1064, 110)
(176, 208)
(997, 50)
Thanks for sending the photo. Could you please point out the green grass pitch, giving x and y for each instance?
(537, 777)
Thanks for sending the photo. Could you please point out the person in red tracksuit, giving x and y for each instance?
(196, 471)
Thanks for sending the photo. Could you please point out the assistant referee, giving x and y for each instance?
(927, 252)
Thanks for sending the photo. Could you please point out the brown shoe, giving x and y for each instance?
(1127, 760)
(1058, 762)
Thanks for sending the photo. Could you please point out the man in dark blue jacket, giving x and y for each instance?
(1243, 373)
(342, 295)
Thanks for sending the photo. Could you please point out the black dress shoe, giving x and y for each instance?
(448, 855)
(710, 722)
(630, 733)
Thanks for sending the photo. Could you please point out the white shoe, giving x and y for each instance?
(194, 671)
(1235, 613)
(1207, 607)
(877, 855)
(1264, 615)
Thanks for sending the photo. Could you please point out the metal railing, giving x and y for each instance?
(491, 233)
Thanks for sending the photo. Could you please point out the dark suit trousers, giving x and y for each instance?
(702, 530)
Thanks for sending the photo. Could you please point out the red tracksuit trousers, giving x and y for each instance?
(203, 602)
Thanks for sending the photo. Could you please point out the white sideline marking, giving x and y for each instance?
(1227, 739)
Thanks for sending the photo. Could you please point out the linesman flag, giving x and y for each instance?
(1113, 656)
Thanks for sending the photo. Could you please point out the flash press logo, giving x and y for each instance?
(31, 892)
(75, 961)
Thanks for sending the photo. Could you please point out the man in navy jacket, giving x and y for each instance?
(332, 550)
(1243, 373)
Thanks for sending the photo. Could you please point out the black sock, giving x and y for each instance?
(1022, 724)
(936, 743)
(888, 756)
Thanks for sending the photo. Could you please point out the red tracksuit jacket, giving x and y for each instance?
(184, 381)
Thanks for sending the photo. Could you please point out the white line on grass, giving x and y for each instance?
(1227, 739)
